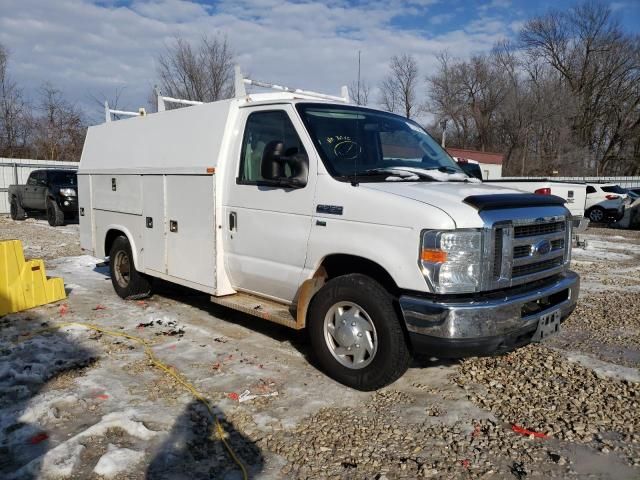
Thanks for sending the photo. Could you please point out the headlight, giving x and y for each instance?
(68, 192)
(451, 260)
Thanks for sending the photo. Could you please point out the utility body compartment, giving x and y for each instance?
(154, 181)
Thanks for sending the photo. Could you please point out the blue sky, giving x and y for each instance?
(95, 48)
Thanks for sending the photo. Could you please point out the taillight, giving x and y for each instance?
(543, 191)
(612, 197)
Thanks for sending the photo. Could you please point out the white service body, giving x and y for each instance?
(169, 182)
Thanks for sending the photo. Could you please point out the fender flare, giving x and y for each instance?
(125, 231)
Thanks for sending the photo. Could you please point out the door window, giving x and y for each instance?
(590, 189)
(33, 179)
(262, 128)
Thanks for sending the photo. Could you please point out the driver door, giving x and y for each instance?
(267, 227)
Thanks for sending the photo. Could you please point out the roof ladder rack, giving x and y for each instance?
(162, 99)
(240, 82)
(109, 111)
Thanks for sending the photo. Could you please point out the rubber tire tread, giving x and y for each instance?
(58, 214)
(392, 342)
(20, 214)
(139, 284)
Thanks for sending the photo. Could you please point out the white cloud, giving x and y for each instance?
(92, 49)
(441, 18)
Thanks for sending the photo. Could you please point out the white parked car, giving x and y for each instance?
(605, 202)
(351, 222)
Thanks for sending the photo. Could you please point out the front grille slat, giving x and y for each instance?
(537, 229)
(531, 268)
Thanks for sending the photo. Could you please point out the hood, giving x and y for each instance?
(447, 196)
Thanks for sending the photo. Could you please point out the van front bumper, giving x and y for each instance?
(485, 324)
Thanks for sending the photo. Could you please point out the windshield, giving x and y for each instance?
(62, 178)
(368, 145)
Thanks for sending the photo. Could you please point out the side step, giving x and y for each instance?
(259, 307)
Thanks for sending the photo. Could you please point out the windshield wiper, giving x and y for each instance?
(398, 172)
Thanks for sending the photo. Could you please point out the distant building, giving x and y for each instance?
(490, 163)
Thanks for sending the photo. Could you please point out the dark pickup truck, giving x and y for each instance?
(54, 191)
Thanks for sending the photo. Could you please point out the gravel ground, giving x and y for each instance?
(39, 240)
(573, 400)
(540, 390)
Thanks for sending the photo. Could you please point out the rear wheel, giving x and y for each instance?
(356, 334)
(596, 214)
(17, 212)
(55, 216)
(127, 281)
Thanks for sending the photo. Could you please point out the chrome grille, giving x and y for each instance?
(521, 250)
(538, 248)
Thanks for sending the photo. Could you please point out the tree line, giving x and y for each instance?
(562, 98)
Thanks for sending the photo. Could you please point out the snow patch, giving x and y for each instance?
(604, 369)
(61, 460)
(117, 460)
(44, 409)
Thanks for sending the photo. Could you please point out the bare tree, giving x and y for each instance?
(600, 65)
(448, 102)
(359, 92)
(14, 113)
(568, 101)
(59, 128)
(202, 72)
(399, 90)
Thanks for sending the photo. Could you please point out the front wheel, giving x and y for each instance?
(127, 281)
(55, 215)
(356, 334)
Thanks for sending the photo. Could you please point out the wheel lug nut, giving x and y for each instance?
(353, 324)
(359, 334)
(357, 345)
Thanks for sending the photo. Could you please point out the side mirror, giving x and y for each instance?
(274, 160)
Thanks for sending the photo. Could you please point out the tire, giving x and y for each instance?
(17, 212)
(358, 299)
(597, 215)
(55, 216)
(127, 281)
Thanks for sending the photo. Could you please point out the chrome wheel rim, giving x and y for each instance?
(122, 268)
(596, 215)
(350, 335)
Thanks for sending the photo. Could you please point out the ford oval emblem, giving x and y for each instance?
(541, 248)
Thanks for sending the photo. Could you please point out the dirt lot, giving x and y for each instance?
(76, 403)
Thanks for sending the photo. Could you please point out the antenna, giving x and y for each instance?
(358, 97)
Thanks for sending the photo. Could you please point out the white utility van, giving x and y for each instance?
(353, 223)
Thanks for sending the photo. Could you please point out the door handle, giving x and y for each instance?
(233, 221)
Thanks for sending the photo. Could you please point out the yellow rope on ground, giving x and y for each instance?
(165, 368)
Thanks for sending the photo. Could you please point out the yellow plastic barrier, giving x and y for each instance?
(23, 284)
